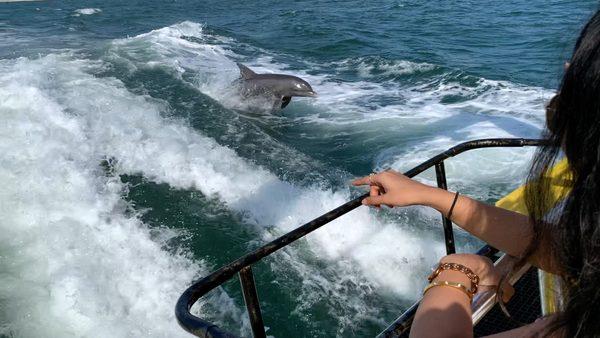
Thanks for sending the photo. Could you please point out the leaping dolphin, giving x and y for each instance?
(282, 87)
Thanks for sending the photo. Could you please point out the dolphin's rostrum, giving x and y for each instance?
(280, 86)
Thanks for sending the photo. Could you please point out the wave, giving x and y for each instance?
(104, 271)
(75, 120)
(86, 11)
(74, 260)
(378, 67)
(258, 194)
(438, 109)
(434, 109)
(209, 60)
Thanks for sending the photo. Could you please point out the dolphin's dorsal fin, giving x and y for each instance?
(246, 72)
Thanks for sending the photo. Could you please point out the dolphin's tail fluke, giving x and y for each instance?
(245, 72)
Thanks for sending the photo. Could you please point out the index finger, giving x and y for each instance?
(362, 181)
(367, 180)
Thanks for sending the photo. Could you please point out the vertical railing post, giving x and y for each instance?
(440, 174)
(251, 300)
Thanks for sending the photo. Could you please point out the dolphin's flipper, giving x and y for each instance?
(246, 72)
(285, 101)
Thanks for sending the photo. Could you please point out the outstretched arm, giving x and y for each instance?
(505, 230)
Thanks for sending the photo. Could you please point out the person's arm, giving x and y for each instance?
(508, 231)
(505, 230)
(445, 312)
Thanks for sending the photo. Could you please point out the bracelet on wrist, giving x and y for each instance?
(454, 285)
(460, 268)
(449, 215)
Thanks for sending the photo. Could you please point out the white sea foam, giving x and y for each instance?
(182, 47)
(484, 109)
(210, 60)
(76, 264)
(106, 120)
(186, 49)
(86, 11)
(457, 111)
(73, 262)
(258, 194)
(172, 156)
(372, 67)
(470, 172)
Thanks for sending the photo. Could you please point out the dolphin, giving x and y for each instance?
(280, 86)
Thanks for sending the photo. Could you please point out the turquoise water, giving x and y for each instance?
(129, 167)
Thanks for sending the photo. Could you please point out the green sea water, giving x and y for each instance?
(129, 167)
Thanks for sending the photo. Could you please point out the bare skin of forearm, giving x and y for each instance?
(444, 312)
(505, 230)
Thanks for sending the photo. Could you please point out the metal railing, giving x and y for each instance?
(243, 265)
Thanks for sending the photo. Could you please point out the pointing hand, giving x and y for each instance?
(393, 189)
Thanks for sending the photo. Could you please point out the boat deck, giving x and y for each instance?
(524, 307)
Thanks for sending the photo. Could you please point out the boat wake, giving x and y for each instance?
(78, 260)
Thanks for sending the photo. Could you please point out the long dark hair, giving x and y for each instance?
(572, 234)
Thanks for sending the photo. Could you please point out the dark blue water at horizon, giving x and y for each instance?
(516, 40)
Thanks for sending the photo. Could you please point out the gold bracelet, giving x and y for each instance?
(460, 268)
(458, 286)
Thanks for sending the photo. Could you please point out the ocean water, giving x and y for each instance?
(129, 167)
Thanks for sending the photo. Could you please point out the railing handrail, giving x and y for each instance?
(202, 328)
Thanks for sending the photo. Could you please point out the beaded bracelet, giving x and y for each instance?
(457, 267)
